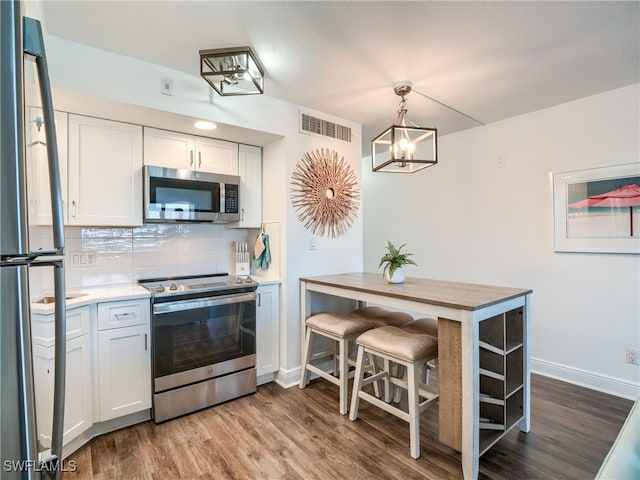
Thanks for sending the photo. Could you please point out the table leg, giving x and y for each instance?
(470, 399)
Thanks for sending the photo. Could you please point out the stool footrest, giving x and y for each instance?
(374, 378)
(383, 405)
(424, 390)
(319, 355)
(323, 374)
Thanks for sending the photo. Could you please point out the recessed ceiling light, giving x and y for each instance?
(204, 125)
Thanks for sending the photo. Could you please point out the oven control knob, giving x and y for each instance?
(248, 280)
(160, 288)
(173, 286)
(238, 280)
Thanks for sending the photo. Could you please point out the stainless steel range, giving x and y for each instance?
(203, 341)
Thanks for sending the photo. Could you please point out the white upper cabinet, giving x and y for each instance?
(216, 156)
(250, 170)
(38, 165)
(105, 172)
(163, 148)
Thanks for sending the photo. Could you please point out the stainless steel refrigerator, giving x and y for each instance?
(21, 41)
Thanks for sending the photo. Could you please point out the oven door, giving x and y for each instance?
(202, 338)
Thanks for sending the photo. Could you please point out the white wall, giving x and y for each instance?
(468, 219)
(96, 73)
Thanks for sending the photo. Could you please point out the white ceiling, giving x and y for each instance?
(490, 60)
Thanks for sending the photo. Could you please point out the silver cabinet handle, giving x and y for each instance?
(199, 159)
(124, 315)
(145, 341)
(242, 215)
(259, 300)
(73, 208)
(191, 158)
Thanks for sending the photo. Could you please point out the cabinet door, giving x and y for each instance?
(105, 172)
(216, 156)
(38, 166)
(124, 371)
(78, 408)
(250, 170)
(163, 148)
(268, 329)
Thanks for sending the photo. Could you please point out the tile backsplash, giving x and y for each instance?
(101, 256)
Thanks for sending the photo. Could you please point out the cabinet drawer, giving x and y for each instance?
(43, 326)
(124, 313)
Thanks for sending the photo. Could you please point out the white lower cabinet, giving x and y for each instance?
(268, 329)
(78, 411)
(124, 358)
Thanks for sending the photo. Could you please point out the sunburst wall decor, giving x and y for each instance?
(324, 193)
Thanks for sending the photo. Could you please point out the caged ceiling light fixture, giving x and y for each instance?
(232, 71)
(404, 148)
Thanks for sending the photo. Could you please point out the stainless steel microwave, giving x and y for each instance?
(172, 195)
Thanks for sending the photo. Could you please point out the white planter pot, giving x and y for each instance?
(398, 276)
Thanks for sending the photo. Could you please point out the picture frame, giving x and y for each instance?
(597, 210)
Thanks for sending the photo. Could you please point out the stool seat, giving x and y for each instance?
(398, 343)
(427, 326)
(382, 317)
(337, 324)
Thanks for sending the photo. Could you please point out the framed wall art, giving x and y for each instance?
(597, 210)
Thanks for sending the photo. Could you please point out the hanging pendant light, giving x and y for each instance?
(403, 147)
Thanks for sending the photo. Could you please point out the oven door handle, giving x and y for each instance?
(180, 305)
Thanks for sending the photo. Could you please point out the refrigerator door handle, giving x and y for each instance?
(34, 46)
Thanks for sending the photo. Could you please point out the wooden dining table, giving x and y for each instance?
(483, 350)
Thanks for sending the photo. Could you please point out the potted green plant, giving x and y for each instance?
(394, 262)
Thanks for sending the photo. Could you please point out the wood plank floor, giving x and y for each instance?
(299, 434)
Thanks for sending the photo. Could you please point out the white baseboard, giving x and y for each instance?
(288, 378)
(584, 378)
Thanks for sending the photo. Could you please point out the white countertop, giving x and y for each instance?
(105, 293)
(89, 295)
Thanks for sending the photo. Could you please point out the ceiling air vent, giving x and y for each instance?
(317, 126)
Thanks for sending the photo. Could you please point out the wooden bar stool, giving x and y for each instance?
(404, 348)
(425, 326)
(381, 316)
(342, 329)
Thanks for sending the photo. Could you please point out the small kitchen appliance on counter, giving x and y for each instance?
(203, 341)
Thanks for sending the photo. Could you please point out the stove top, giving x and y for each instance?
(195, 284)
